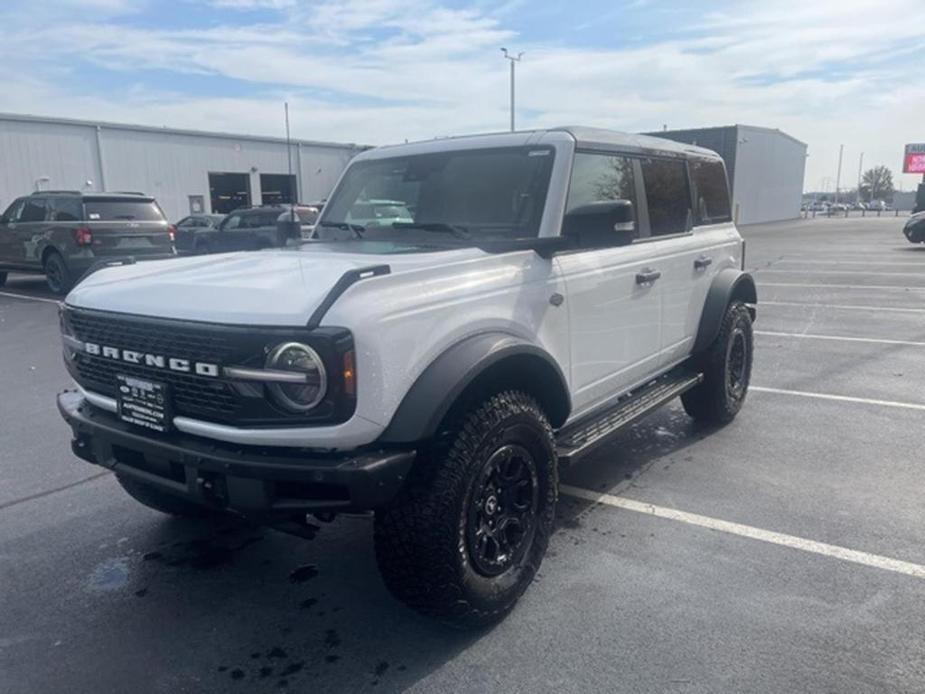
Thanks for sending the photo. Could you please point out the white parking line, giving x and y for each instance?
(841, 286)
(30, 298)
(842, 307)
(821, 548)
(853, 262)
(766, 271)
(842, 338)
(840, 398)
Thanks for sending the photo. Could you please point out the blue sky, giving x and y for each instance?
(378, 71)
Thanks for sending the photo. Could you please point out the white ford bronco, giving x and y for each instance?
(529, 295)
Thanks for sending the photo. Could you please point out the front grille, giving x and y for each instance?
(205, 397)
(193, 396)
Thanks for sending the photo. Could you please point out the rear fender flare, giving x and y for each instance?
(729, 285)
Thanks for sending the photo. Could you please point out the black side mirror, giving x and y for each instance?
(601, 224)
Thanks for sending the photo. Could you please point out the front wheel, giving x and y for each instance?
(468, 534)
(727, 370)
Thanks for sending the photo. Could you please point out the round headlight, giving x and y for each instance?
(300, 359)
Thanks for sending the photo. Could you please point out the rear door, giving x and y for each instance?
(693, 238)
(126, 225)
(614, 312)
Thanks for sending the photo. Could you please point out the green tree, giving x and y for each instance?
(877, 184)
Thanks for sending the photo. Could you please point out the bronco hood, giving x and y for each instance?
(280, 287)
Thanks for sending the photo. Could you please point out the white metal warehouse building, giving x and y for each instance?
(765, 167)
(186, 170)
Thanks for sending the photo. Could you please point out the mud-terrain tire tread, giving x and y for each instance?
(709, 402)
(417, 537)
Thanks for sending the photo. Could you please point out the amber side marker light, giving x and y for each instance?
(350, 383)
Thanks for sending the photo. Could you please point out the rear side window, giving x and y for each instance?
(668, 196)
(120, 209)
(711, 192)
(65, 209)
(34, 210)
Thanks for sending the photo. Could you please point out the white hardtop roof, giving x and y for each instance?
(583, 137)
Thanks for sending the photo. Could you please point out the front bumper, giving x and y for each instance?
(263, 482)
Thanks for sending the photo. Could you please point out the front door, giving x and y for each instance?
(614, 310)
(8, 253)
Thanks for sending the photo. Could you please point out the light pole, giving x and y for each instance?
(513, 60)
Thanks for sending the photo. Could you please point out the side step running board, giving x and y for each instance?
(577, 440)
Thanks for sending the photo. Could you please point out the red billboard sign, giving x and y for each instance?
(914, 161)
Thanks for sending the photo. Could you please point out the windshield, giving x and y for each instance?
(117, 209)
(466, 195)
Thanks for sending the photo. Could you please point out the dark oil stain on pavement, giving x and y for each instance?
(202, 554)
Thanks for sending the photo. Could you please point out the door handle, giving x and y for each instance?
(647, 276)
(703, 262)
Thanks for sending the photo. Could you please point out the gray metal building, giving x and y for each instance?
(186, 170)
(765, 167)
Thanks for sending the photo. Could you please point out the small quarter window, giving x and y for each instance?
(711, 193)
(668, 196)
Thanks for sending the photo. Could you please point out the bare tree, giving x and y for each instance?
(877, 184)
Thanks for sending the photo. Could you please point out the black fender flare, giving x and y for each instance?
(729, 284)
(430, 398)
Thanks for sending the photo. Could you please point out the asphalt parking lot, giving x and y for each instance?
(782, 553)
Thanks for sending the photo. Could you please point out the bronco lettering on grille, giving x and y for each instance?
(154, 360)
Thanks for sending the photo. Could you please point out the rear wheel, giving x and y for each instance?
(57, 274)
(162, 501)
(468, 534)
(727, 369)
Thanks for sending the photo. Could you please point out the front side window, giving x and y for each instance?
(13, 211)
(668, 196)
(34, 210)
(599, 178)
(122, 209)
(231, 222)
(711, 193)
(487, 194)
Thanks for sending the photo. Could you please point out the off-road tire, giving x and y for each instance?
(162, 501)
(2, 279)
(422, 543)
(726, 366)
(57, 275)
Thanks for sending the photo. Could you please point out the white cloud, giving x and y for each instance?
(380, 71)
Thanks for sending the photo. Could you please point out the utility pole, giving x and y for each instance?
(841, 151)
(860, 167)
(513, 60)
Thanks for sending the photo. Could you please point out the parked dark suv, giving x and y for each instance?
(65, 233)
(250, 229)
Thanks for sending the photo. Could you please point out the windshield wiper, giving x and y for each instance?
(456, 230)
(357, 229)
